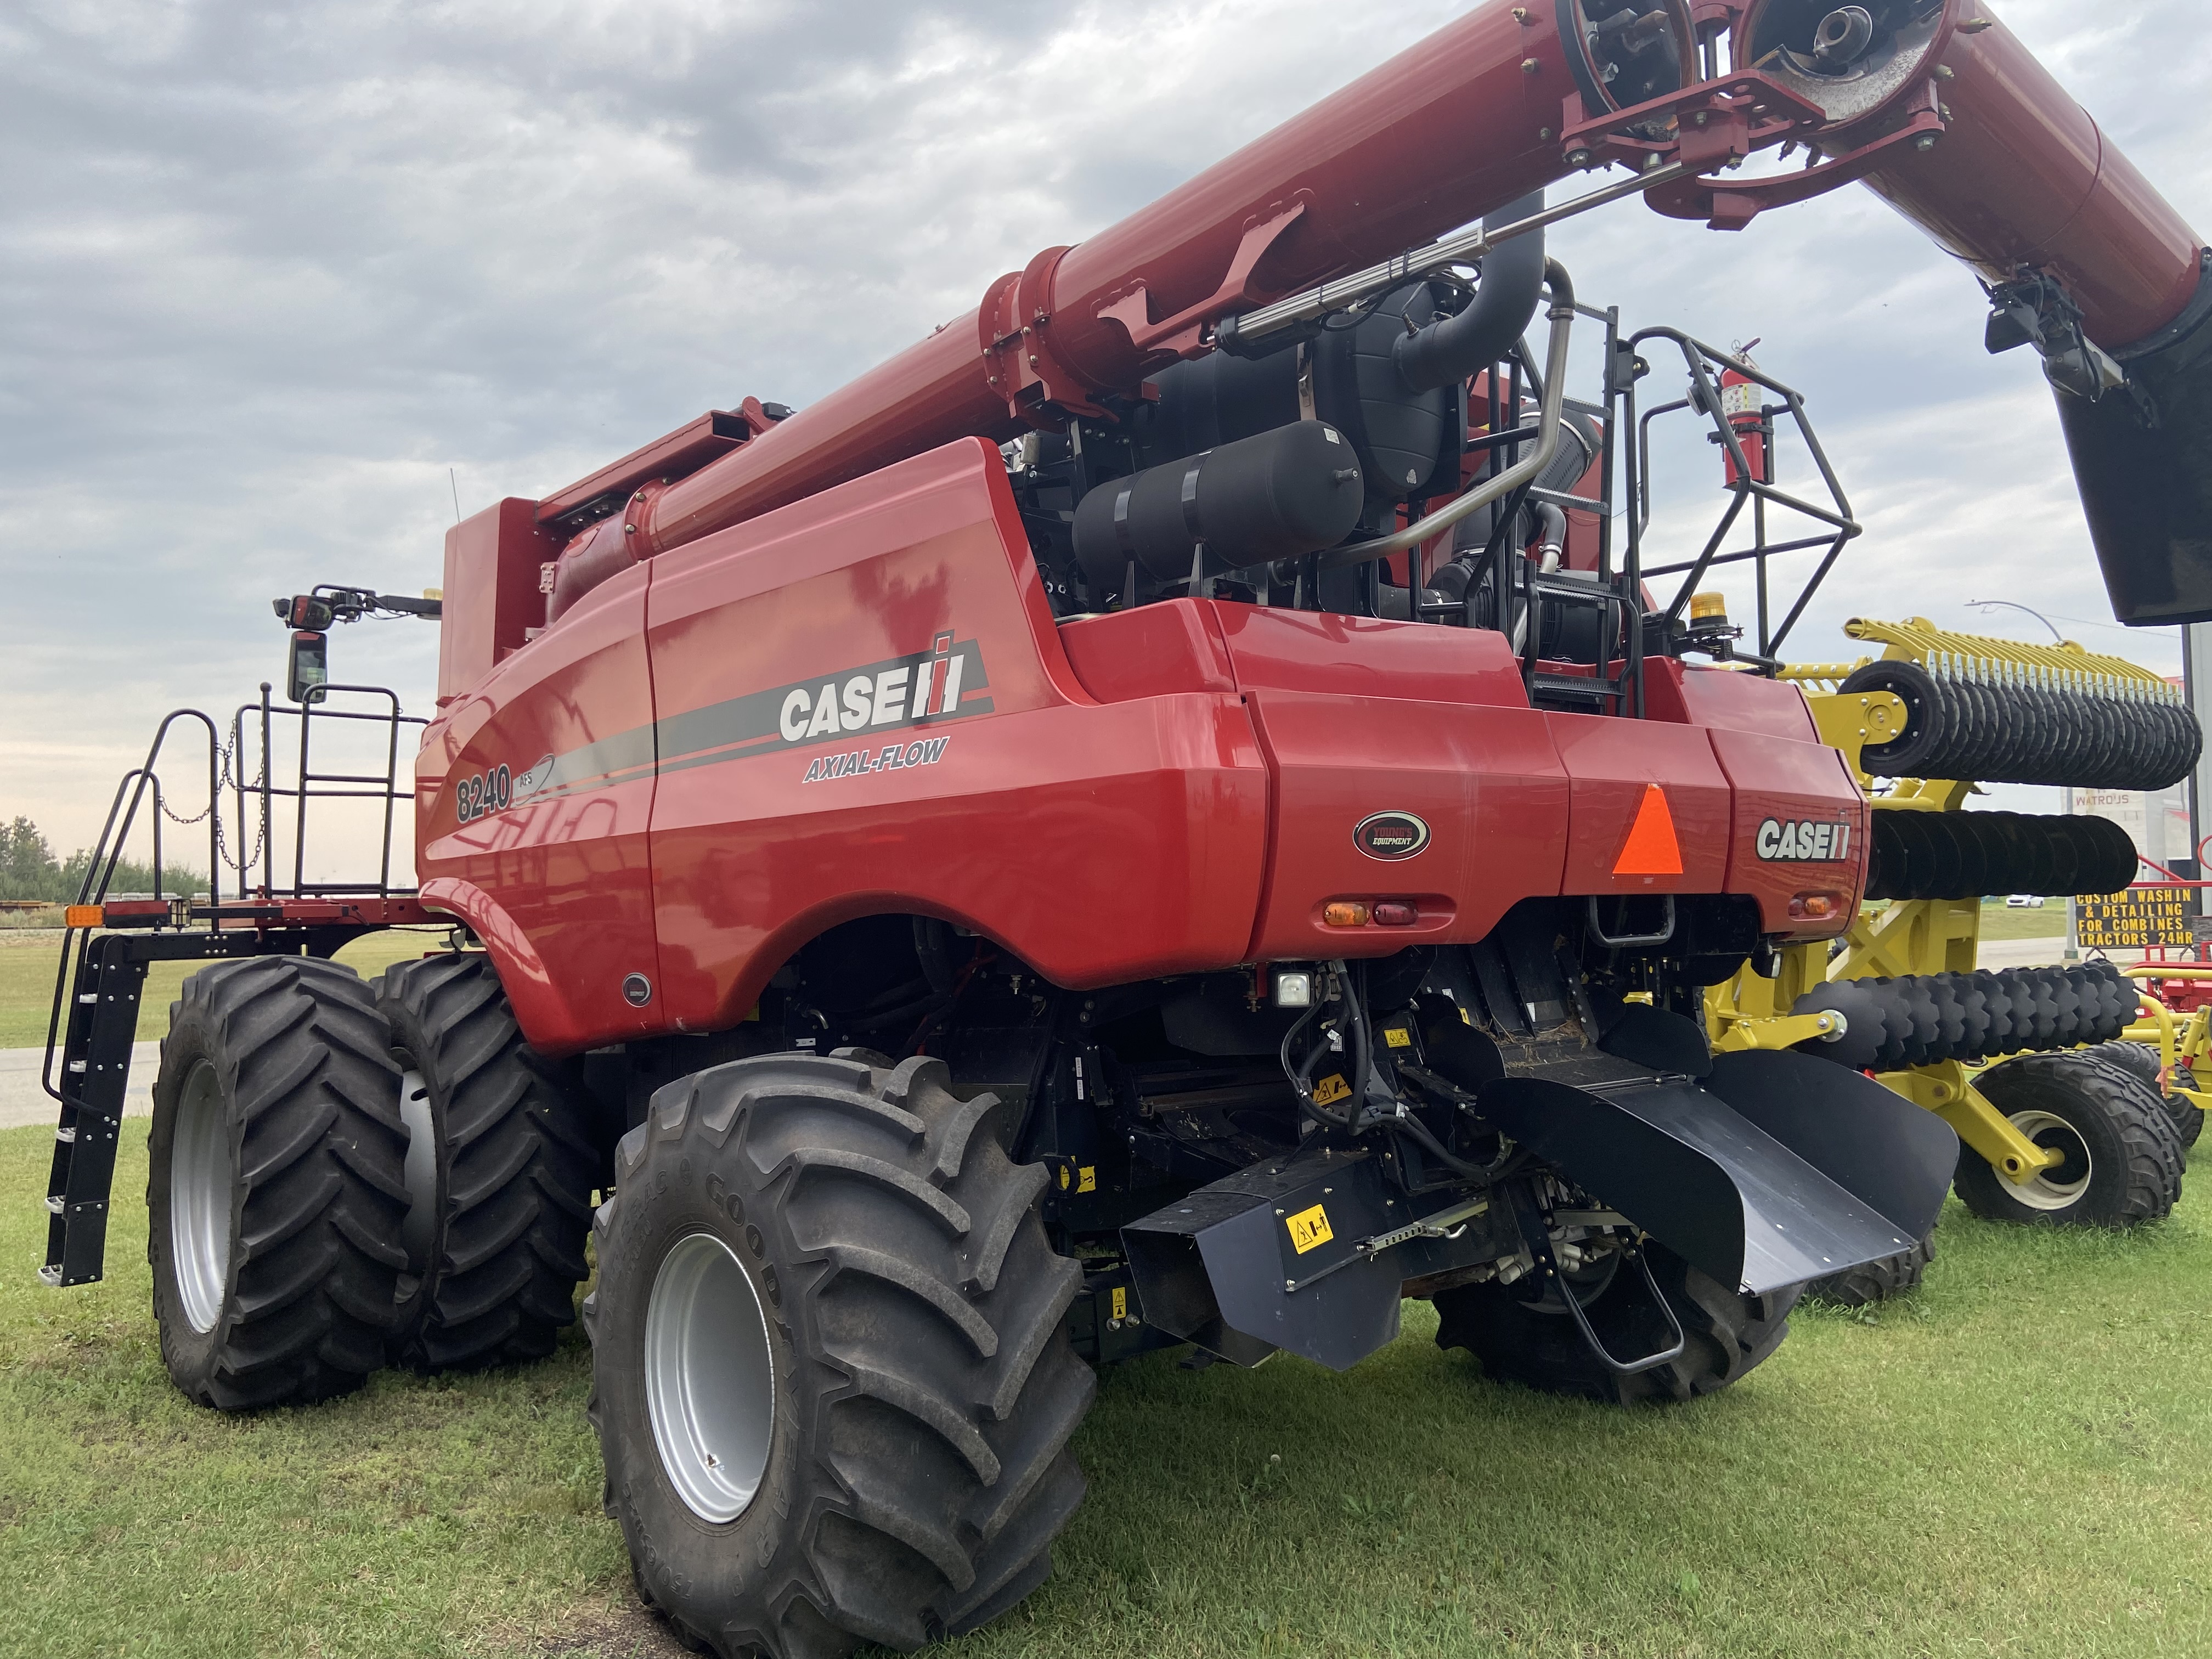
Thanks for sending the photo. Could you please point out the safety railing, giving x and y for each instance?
(1750, 475)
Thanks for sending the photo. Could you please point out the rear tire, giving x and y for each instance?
(1535, 1344)
(2188, 1117)
(885, 1460)
(503, 1200)
(1877, 1281)
(2124, 1159)
(275, 1194)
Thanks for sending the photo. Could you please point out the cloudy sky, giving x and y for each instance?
(277, 282)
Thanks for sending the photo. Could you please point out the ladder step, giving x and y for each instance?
(77, 1066)
(55, 1205)
(51, 1276)
(66, 1134)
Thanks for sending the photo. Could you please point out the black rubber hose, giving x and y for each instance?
(1452, 348)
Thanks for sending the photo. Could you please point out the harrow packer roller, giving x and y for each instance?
(1927, 1020)
(1962, 855)
(2076, 730)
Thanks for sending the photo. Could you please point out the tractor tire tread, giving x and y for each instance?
(301, 1052)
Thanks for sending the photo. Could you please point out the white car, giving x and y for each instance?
(2023, 902)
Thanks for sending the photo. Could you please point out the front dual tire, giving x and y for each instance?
(345, 1174)
(275, 1192)
(832, 1383)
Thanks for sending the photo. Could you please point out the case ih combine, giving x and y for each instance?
(1161, 816)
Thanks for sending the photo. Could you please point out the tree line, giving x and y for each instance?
(29, 870)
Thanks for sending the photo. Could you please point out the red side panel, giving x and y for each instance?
(1728, 698)
(1800, 787)
(491, 592)
(1363, 657)
(554, 879)
(1613, 763)
(1149, 652)
(1486, 782)
(804, 785)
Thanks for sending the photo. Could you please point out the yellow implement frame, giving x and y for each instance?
(1933, 936)
(2184, 1040)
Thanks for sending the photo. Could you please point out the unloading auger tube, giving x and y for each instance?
(1937, 107)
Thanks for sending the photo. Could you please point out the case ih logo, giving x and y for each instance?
(1390, 836)
(904, 691)
(1803, 843)
(929, 688)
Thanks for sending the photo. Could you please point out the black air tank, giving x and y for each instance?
(1281, 495)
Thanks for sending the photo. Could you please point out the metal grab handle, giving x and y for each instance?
(1630, 1368)
(1597, 927)
(1536, 1231)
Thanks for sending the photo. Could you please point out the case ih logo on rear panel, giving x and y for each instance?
(1782, 841)
(1390, 836)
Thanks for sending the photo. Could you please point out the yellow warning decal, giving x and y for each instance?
(1397, 1038)
(1309, 1230)
(1330, 1090)
(1064, 1177)
(1120, 1302)
(1087, 1178)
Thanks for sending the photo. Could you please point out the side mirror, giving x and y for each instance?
(307, 668)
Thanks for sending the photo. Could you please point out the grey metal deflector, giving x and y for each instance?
(1895, 1156)
(1221, 1268)
(1724, 1187)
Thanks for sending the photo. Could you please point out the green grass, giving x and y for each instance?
(2017, 1461)
(2048, 922)
(28, 961)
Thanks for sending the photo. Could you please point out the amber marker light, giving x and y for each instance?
(1817, 906)
(82, 915)
(1343, 914)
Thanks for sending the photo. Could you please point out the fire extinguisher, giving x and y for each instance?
(1741, 398)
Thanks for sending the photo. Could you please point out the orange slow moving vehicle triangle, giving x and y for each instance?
(1652, 849)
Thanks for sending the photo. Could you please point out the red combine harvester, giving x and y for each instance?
(1162, 815)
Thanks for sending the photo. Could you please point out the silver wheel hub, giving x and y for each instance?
(199, 1197)
(2059, 1186)
(709, 1377)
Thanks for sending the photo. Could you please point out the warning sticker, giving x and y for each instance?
(1309, 1230)
(1087, 1178)
(1397, 1036)
(1120, 1303)
(1331, 1088)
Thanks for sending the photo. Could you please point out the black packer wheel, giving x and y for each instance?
(1522, 1334)
(2123, 1160)
(501, 1167)
(275, 1195)
(1877, 1281)
(831, 1376)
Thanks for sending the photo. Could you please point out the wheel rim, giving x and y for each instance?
(709, 1377)
(420, 1172)
(2060, 1187)
(199, 1197)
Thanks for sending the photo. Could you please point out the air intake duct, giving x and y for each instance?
(1453, 348)
(1280, 495)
